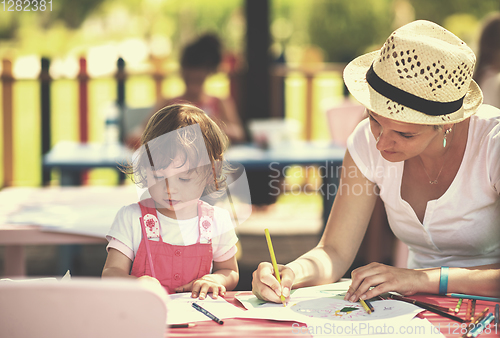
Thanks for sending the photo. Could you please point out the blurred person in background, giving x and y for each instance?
(487, 73)
(200, 59)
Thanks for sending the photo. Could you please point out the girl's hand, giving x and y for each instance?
(201, 286)
(154, 285)
(383, 278)
(149, 280)
(265, 285)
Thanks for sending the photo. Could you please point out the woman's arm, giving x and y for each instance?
(331, 258)
(483, 280)
(478, 280)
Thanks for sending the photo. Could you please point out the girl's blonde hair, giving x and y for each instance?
(186, 143)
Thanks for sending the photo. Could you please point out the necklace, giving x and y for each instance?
(425, 171)
(431, 181)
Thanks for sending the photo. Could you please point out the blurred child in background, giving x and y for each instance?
(199, 60)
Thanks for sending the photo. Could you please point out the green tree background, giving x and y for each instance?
(342, 29)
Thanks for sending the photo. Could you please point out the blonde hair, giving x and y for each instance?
(186, 143)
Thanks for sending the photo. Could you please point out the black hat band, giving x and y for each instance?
(427, 107)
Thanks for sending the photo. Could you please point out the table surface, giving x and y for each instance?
(236, 327)
(82, 214)
(56, 216)
(74, 155)
(291, 153)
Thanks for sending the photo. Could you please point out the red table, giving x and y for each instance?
(269, 328)
(449, 327)
(81, 202)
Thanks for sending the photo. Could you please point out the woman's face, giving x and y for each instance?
(177, 189)
(399, 141)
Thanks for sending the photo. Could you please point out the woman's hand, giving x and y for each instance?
(201, 286)
(265, 285)
(383, 278)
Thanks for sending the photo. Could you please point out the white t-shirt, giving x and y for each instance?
(127, 230)
(462, 227)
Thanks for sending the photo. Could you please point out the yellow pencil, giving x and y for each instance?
(365, 306)
(273, 259)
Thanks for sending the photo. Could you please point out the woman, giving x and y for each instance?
(432, 154)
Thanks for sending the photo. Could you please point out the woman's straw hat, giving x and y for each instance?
(422, 75)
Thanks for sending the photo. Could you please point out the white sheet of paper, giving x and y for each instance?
(324, 306)
(180, 310)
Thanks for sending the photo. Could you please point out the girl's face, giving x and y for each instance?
(399, 141)
(177, 189)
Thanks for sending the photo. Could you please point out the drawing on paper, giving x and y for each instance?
(334, 309)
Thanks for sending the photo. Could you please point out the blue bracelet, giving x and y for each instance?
(443, 280)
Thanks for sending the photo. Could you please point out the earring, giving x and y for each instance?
(444, 138)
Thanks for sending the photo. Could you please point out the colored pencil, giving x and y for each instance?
(468, 312)
(460, 295)
(207, 313)
(459, 304)
(273, 259)
(430, 308)
(180, 326)
(473, 310)
(473, 325)
(365, 306)
(476, 331)
(497, 314)
(370, 305)
(414, 301)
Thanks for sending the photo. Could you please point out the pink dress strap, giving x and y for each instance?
(174, 265)
(150, 218)
(205, 221)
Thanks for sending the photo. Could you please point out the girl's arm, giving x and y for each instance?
(330, 259)
(117, 265)
(227, 273)
(224, 277)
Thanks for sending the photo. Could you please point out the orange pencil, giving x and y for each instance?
(469, 310)
(473, 310)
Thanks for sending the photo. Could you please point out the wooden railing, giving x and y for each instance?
(278, 75)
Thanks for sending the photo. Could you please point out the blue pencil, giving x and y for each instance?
(459, 295)
(476, 331)
(496, 314)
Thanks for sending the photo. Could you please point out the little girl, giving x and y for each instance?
(171, 235)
